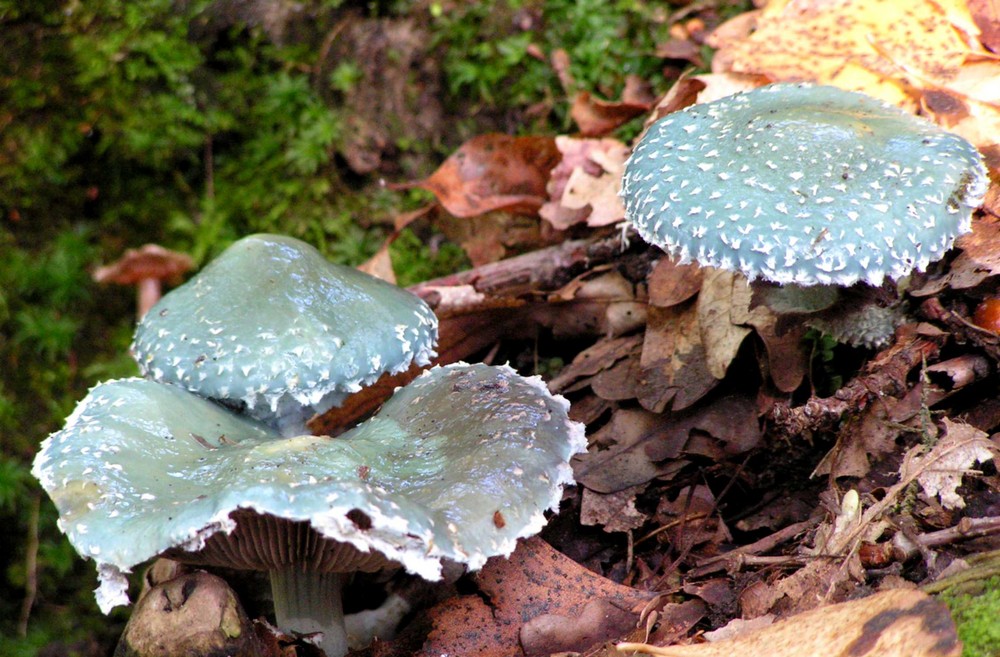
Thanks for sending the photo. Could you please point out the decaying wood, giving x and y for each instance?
(478, 307)
(884, 376)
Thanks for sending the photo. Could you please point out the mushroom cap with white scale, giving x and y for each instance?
(456, 466)
(272, 327)
(802, 184)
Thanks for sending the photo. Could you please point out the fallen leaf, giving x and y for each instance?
(620, 458)
(979, 260)
(673, 365)
(908, 54)
(952, 456)
(600, 191)
(670, 284)
(536, 601)
(380, 264)
(616, 511)
(493, 172)
(617, 383)
(723, 295)
(584, 185)
(691, 520)
(684, 49)
(600, 356)
(896, 623)
(598, 302)
(987, 17)
(869, 436)
(466, 625)
(674, 620)
(596, 117)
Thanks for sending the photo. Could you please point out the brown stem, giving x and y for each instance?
(149, 293)
(30, 567)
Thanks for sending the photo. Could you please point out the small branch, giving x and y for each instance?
(965, 529)
(742, 554)
(885, 376)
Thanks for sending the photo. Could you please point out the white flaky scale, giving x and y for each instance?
(416, 485)
(272, 326)
(841, 159)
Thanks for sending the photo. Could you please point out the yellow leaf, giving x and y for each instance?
(896, 51)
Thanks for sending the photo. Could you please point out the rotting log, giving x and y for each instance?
(478, 307)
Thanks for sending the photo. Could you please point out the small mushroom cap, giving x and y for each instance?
(149, 261)
(806, 184)
(273, 326)
(457, 465)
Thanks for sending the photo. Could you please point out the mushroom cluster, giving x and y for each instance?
(456, 466)
(802, 184)
(273, 329)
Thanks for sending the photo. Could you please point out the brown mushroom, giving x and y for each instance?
(146, 268)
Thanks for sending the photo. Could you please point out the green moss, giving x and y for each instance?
(413, 261)
(977, 615)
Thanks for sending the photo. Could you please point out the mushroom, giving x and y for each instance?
(273, 327)
(803, 184)
(146, 268)
(456, 466)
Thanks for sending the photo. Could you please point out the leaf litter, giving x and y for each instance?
(730, 481)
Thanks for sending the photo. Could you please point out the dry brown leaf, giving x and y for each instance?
(616, 511)
(722, 305)
(897, 623)
(980, 257)
(618, 382)
(986, 13)
(896, 51)
(952, 456)
(627, 451)
(380, 264)
(602, 355)
(539, 601)
(869, 436)
(600, 191)
(493, 172)
(584, 185)
(670, 284)
(489, 237)
(787, 356)
(674, 620)
(597, 117)
(685, 49)
(673, 365)
(466, 625)
(691, 520)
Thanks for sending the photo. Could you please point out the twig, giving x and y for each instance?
(741, 554)
(884, 376)
(965, 529)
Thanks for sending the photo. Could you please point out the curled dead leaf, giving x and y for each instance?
(493, 172)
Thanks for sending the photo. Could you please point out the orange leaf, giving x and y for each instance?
(493, 172)
(597, 117)
(540, 602)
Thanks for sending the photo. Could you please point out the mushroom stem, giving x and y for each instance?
(149, 292)
(306, 601)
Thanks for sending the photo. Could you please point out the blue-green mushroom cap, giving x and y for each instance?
(457, 465)
(804, 184)
(274, 328)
